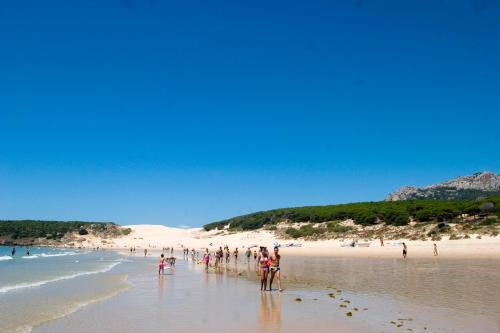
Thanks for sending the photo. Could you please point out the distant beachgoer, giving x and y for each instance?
(435, 249)
(405, 250)
(131, 250)
(228, 255)
(381, 240)
(171, 250)
(248, 254)
(161, 266)
(206, 258)
(27, 251)
(145, 252)
(219, 255)
(254, 255)
(236, 255)
(264, 269)
(13, 251)
(275, 268)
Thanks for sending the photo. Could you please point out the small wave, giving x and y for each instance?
(24, 329)
(50, 255)
(3, 258)
(62, 254)
(6, 289)
(34, 256)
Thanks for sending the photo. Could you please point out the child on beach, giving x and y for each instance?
(435, 249)
(405, 250)
(275, 268)
(161, 266)
(236, 256)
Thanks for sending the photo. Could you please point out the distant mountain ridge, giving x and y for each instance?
(478, 185)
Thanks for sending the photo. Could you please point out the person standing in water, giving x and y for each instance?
(405, 250)
(236, 256)
(248, 254)
(435, 249)
(206, 259)
(161, 266)
(27, 251)
(228, 256)
(13, 251)
(275, 268)
(145, 252)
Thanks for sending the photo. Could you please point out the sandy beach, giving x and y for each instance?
(158, 236)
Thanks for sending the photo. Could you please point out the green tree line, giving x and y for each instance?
(16, 229)
(366, 213)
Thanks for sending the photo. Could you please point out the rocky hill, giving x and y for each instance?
(478, 185)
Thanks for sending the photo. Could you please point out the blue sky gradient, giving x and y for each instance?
(187, 112)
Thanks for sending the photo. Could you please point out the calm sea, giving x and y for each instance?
(50, 283)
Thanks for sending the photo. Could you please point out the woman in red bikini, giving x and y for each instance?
(264, 268)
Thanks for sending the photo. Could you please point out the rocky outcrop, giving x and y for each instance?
(465, 187)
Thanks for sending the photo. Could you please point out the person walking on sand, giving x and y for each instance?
(405, 250)
(264, 269)
(161, 266)
(275, 269)
(435, 249)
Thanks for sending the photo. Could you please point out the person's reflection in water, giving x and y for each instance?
(270, 317)
(276, 312)
(207, 282)
(264, 313)
(160, 286)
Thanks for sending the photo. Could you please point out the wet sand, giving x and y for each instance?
(383, 295)
(192, 300)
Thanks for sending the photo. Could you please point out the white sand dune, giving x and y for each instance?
(159, 236)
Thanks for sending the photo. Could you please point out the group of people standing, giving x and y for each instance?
(221, 255)
(267, 265)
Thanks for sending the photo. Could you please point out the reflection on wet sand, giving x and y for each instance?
(161, 281)
(270, 312)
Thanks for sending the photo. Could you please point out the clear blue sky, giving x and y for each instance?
(187, 112)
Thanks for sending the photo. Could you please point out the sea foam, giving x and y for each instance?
(8, 288)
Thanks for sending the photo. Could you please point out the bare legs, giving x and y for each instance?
(263, 278)
(278, 278)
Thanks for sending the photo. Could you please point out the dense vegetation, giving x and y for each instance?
(48, 229)
(366, 213)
